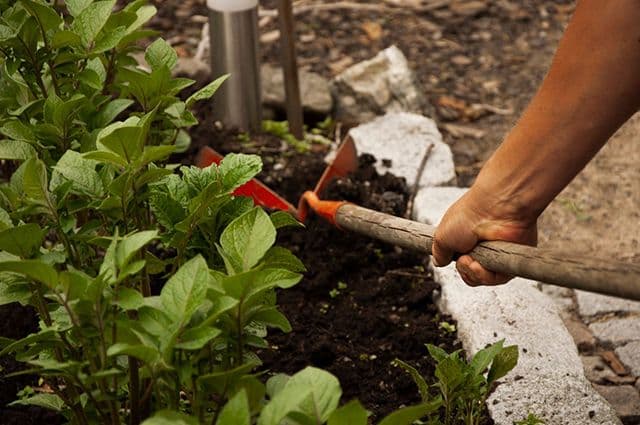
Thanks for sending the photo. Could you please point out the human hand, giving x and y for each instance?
(478, 217)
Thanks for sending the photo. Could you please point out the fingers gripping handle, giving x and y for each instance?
(588, 274)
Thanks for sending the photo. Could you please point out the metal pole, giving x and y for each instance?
(290, 68)
(234, 50)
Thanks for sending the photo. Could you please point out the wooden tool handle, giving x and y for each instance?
(570, 271)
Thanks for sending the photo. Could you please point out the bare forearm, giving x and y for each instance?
(593, 86)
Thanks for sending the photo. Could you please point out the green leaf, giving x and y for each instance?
(409, 415)
(129, 299)
(247, 239)
(351, 413)
(111, 111)
(16, 150)
(237, 169)
(91, 21)
(12, 290)
(33, 269)
(206, 92)
(270, 316)
(160, 53)
(125, 139)
(503, 363)
(437, 353)
(185, 290)
(281, 258)
(219, 382)
(5, 220)
(236, 411)
(483, 358)
(35, 181)
(148, 355)
(423, 387)
(65, 38)
(47, 401)
(23, 241)
(282, 219)
(170, 417)
(76, 7)
(312, 392)
(81, 172)
(450, 372)
(197, 338)
(48, 19)
(17, 130)
(129, 246)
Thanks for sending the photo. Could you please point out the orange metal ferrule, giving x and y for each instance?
(325, 209)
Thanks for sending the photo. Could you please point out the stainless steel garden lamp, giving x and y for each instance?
(234, 50)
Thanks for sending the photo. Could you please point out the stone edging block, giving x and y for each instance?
(549, 380)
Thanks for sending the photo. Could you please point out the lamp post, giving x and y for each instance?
(234, 50)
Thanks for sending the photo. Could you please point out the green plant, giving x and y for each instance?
(94, 216)
(281, 129)
(463, 387)
(531, 419)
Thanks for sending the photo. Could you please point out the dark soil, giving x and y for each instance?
(17, 322)
(362, 303)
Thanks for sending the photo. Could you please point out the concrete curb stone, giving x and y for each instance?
(549, 380)
(402, 138)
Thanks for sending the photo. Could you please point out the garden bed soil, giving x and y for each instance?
(362, 303)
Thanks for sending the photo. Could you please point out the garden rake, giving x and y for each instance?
(553, 267)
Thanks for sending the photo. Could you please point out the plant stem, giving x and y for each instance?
(134, 390)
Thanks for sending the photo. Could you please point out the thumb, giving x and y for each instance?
(442, 255)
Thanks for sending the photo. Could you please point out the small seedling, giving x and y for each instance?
(448, 327)
(531, 419)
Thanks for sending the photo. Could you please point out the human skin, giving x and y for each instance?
(591, 89)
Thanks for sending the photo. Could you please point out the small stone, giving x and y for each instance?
(629, 355)
(461, 60)
(581, 334)
(314, 90)
(402, 138)
(624, 399)
(617, 330)
(382, 84)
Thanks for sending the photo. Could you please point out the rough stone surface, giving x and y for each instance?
(629, 355)
(549, 379)
(624, 399)
(591, 304)
(382, 84)
(617, 330)
(402, 138)
(314, 90)
(439, 170)
(431, 203)
(563, 297)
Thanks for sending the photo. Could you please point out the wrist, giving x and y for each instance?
(502, 197)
